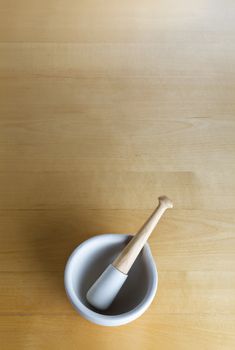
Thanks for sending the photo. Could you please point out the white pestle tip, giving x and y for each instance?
(103, 292)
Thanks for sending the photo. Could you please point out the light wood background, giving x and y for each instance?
(104, 106)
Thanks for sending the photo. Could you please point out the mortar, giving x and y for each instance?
(90, 259)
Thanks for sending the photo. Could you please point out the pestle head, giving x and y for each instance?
(103, 292)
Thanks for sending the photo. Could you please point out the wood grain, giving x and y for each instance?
(104, 106)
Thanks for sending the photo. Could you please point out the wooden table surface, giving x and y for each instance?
(104, 106)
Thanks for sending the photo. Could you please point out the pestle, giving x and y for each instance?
(103, 292)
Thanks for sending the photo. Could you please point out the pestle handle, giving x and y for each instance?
(128, 255)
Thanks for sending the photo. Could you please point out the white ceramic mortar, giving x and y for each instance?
(90, 259)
